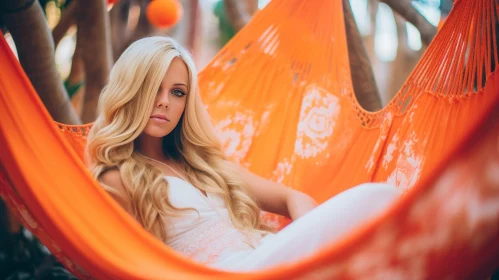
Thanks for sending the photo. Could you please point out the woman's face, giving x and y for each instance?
(170, 100)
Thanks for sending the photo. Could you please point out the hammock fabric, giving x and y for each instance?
(281, 97)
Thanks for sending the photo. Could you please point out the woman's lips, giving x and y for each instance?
(160, 118)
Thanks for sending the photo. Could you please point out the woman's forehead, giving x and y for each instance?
(177, 72)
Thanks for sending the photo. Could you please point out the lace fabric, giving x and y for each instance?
(208, 235)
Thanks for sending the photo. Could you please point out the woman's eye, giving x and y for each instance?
(178, 92)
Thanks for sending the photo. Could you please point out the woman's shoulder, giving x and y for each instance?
(111, 179)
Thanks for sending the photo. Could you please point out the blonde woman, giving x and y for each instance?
(154, 150)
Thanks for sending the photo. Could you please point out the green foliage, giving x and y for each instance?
(226, 29)
(72, 89)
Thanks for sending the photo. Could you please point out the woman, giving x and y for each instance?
(154, 149)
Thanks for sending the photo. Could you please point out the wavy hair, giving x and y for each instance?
(125, 105)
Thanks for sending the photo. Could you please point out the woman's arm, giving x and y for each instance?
(277, 198)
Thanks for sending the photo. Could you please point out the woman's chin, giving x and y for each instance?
(158, 133)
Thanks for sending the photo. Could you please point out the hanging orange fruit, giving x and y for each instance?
(164, 13)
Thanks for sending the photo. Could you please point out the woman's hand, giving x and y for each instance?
(299, 204)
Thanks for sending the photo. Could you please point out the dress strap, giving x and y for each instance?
(169, 167)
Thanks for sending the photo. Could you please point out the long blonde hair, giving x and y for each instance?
(125, 105)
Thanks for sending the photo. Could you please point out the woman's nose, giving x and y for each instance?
(162, 100)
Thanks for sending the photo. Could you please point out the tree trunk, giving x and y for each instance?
(361, 72)
(35, 47)
(372, 9)
(143, 27)
(77, 76)
(194, 18)
(119, 21)
(93, 38)
(404, 62)
(67, 20)
(240, 12)
(407, 11)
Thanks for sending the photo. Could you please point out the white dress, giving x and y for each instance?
(209, 237)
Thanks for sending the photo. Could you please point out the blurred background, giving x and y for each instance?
(392, 43)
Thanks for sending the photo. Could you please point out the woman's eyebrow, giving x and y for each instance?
(180, 84)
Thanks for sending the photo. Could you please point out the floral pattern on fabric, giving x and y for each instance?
(282, 170)
(318, 115)
(236, 133)
(409, 163)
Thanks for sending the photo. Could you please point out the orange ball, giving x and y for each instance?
(164, 13)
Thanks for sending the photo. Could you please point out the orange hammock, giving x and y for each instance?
(281, 97)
